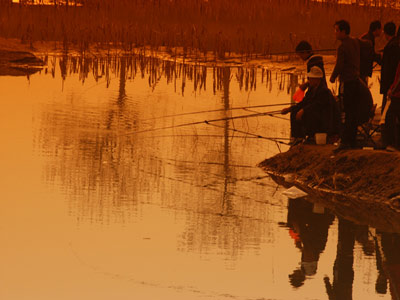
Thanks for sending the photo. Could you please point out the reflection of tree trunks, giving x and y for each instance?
(121, 93)
(122, 82)
(226, 205)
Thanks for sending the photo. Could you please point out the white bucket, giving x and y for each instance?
(320, 138)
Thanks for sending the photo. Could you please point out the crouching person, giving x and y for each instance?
(316, 113)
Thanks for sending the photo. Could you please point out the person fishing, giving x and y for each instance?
(368, 49)
(316, 113)
(390, 60)
(347, 68)
(390, 134)
(306, 53)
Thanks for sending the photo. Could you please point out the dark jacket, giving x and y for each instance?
(320, 110)
(364, 109)
(367, 58)
(348, 61)
(395, 87)
(316, 60)
(369, 36)
(390, 60)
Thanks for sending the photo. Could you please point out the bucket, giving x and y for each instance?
(320, 138)
(318, 208)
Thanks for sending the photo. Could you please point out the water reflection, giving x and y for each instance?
(189, 198)
(388, 252)
(309, 230)
(155, 68)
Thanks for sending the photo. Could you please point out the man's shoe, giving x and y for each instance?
(342, 147)
(309, 141)
(391, 149)
(296, 141)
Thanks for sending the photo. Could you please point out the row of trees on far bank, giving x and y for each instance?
(220, 26)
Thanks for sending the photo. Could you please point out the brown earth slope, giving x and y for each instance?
(369, 174)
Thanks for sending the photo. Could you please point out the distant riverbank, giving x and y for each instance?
(258, 27)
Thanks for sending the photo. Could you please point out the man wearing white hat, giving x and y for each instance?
(316, 113)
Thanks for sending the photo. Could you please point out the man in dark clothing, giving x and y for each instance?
(305, 52)
(316, 113)
(347, 68)
(375, 30)
(390, 60)
(392, 114)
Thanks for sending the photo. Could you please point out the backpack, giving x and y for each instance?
(366, 57)
(364, 111)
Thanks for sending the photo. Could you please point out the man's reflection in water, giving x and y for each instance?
(388, 263)
(343, 274)
(310, 233)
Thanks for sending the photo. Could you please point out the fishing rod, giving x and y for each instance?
(276, 140)
(273, 116)
(210, 136)
(205, 121)
(294, 52)
(216, 110)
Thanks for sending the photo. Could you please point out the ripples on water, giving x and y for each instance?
(107, 196)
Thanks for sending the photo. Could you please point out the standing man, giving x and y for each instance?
(375, 30)
(306, 53)
(390, 60)
(347, 68)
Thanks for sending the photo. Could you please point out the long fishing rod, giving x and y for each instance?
(294, 52)
(205, 121)
(216, 110)
(211, 136)
(273, 116)
(276, 140)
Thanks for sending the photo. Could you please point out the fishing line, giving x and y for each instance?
(211, 136)
(294, 52)
(202, 122)
(214, 110)
(273, 116)
(276, 140)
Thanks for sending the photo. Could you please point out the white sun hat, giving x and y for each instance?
(315, 72)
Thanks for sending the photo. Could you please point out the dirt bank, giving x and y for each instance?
(371, 175)
(17, 60)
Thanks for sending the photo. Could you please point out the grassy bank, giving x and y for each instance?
(219, 26)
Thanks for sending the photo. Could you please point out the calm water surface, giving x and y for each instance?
(105, 195)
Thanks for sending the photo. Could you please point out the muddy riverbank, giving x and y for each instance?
(17, 59)
(369, 176)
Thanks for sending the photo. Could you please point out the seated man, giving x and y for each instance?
(316, 113)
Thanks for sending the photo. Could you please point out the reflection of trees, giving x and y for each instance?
(174, 72)
(108, 176)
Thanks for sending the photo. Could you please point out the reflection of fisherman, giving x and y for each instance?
(310, 232)
(316, 113)
(389, 268)
(343, 273)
